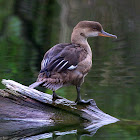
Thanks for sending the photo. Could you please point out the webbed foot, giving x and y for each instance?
(83, 102)
(55, 96)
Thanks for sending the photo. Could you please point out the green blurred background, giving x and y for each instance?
(28, 28)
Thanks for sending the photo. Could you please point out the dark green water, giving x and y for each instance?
(29, 28)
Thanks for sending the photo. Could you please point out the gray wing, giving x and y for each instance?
(60, 58)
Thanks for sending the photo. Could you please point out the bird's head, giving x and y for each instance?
(92, 29)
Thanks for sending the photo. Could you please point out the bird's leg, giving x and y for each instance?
(78, 95)
(55, 96)
(79, 100)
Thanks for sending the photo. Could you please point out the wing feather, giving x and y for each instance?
(61, 57)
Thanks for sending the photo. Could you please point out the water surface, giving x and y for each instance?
(29, 28)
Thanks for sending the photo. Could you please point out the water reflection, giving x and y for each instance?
(41, 129)
(117, 131)
(29, 28)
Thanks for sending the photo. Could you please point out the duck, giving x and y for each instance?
(67, 64)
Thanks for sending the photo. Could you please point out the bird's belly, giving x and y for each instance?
(71, 77)
(85, 65)
(77, 76)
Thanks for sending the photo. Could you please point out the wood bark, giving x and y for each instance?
(20, 104)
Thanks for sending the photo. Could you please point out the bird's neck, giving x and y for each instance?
(77, 38)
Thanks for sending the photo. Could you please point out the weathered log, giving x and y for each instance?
(23, 104)
(89, 112)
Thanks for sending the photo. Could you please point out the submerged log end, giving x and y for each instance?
(86, 111)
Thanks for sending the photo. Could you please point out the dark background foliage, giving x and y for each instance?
(28, 28)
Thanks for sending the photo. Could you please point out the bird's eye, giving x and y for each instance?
(94, 29)
(82, 34)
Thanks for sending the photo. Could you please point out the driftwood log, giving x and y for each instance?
(30, 109)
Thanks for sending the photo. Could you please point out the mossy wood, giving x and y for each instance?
(23, 109)
(89, 112)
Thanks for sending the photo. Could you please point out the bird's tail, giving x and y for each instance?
(36, 84)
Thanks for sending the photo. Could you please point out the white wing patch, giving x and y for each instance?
(58, 65)
(72, 67)
(44, 63)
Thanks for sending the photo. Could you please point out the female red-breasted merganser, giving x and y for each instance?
(68, 63)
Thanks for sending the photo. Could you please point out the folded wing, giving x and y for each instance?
(61, 57)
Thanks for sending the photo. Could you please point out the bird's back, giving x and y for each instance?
(60, 64)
